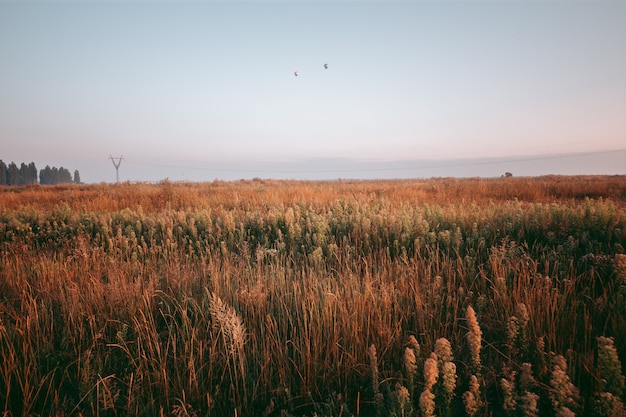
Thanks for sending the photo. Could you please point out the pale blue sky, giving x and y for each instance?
(197, 90)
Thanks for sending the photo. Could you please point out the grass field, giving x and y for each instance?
(446, 297)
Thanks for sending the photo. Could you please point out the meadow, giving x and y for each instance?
(439, 297)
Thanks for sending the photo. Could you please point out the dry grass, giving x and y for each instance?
(256, 297)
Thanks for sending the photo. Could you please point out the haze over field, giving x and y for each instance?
(197, 90)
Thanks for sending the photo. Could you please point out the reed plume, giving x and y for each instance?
(228, 323)
(474, 339)
(431, 375)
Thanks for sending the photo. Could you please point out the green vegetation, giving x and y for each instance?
(264, 298)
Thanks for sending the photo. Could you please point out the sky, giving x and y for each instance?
(203, 90)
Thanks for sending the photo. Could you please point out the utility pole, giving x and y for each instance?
(116, 164)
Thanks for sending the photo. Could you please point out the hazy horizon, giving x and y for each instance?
(594, 163)
(203, 90)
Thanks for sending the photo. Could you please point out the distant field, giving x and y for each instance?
(446, 297)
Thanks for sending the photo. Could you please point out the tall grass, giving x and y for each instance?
(262, 297)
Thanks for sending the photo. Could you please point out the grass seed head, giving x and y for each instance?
(509, 402)
(427, 403)
(529, 404)
(564, 394)
(471, 398)
(443, 350)
(410, 364)
(474, 338)
(431, 371)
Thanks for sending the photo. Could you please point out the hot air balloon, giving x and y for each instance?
(295, 73)
(325, 66)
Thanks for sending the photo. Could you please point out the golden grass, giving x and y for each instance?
(261, 297)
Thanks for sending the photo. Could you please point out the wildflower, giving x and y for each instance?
(517, 330)
(559, 362)
(512, 329)
(608, 405)
(431, 372)
(521, 312)
(443, 350)
(402, 393)
(447, 371)
(474, 338)
(564, 394)
(528, 404)
(508, 389)
(371, 353)
(410, 366)
(403, 405)
(471, 397)
(526, 380)
(427, 403)
(620, 267)
(610, 367)
(414, 345)
(448, 379)
(411, 354)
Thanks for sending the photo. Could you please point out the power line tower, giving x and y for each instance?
(116, 164)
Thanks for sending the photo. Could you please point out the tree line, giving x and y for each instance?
(27, 174)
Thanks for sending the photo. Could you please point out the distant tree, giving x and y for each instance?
(76, 177)
(45, 176)
(26, 177)
(64, 176)
(32, 169)
(3, 173)
(13, 174)
(54, 175)
(23, 174)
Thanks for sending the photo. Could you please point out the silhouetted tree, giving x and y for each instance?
(76, 177)
(3, 173)
(64, 176)
(13, 174)
(32, 169)
(23, 174)
(45, 175)
(26, 174)
(54, 175)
